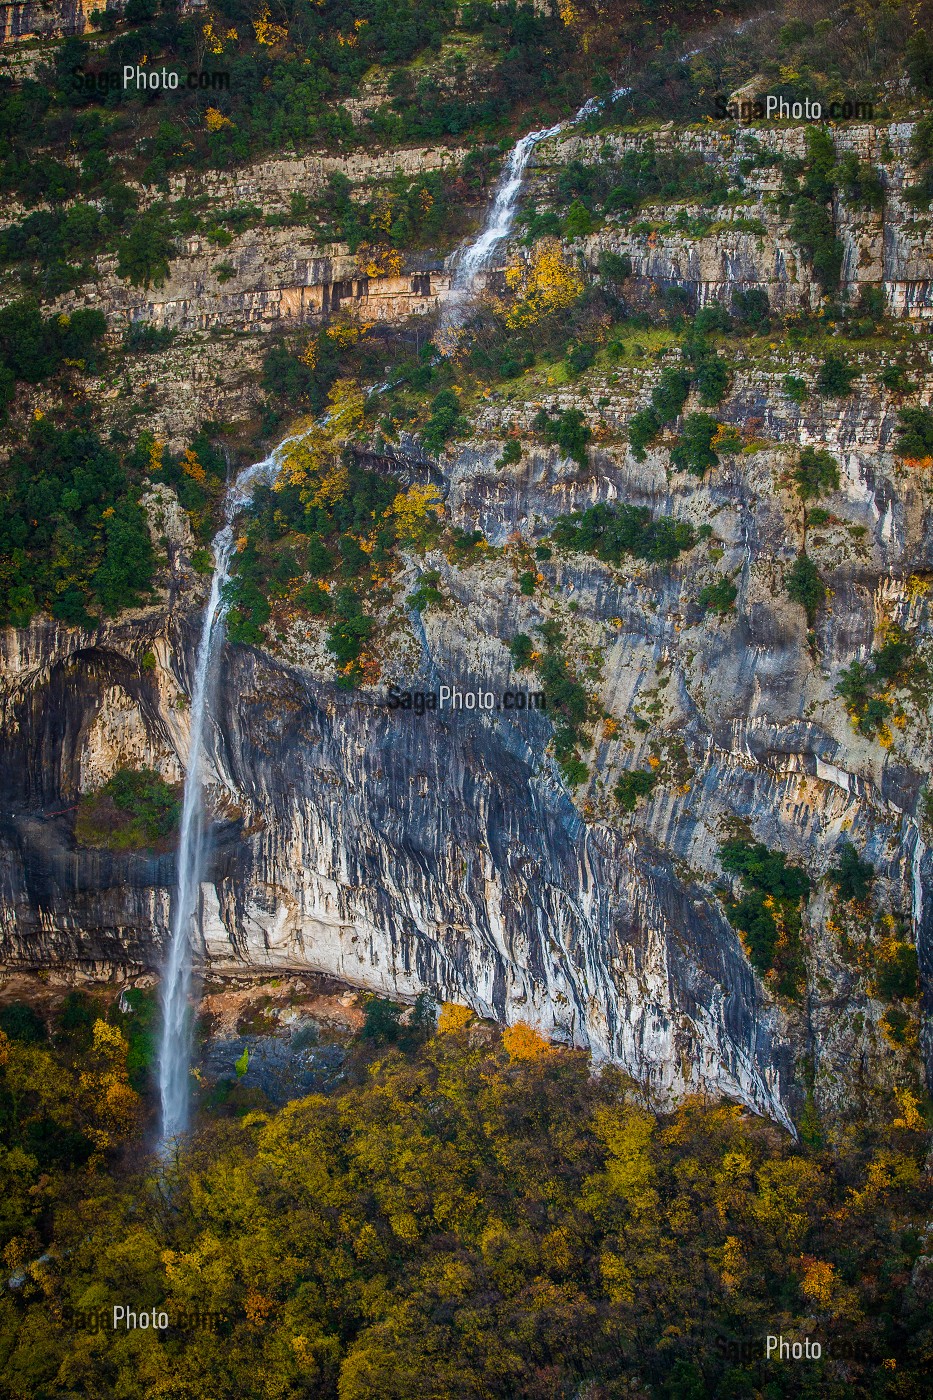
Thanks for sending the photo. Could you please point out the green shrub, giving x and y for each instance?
(142, 338)
(565, 698)
(134, 809)
(894, 663)
(526, 583)
(667, 399)
(382, 1021)
(511, 453)
(139, 1023)
(897, 976)
(467, 545)
(712, 317)
(795, 388)
(21, 1022)
(708, 369)
(811, 223)
(574, 770)
(835, 376)
(817, 471)
(919, 57)
(444, 423)
(805, 586)
(614, 267)
(427, 594)
(719, 597)
(74, 1024)
(612, 532)
(143, 256)
(895, 379)
(568, 431)
(859, 182)
(693, 450)
(633, 785)
(915, 433)
(896, 1022)
(773, 887)
(643, 428)
(852, 876)
(314, 600)
(349, 633)
(522, 650)
(752, 308)
(578, 222)
(580, 357)
(670, 394)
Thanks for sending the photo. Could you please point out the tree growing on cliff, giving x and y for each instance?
(805, 586)
(915, 435)
(693, 451)
(817, 472)
(812, 225)
(548, 283)
(852, 876)
(143, 256)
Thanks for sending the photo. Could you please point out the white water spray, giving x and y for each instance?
(175, 1045)
(478, 256)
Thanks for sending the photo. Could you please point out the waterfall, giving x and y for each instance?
(175, 1043)
(477, 256)
(918, 852)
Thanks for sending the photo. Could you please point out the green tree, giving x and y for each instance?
(915, 433)
(805, 586)
(633, 785)
(817, 472)
(852, 876)
(143, 256)
(719, 597)
(835, 377)
(693, 451)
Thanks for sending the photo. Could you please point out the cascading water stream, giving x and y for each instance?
(175, 1045)
(477, 257)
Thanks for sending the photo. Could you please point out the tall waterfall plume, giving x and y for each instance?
(175, 1041)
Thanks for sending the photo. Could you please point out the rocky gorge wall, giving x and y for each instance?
(444, 852)
(280, 278)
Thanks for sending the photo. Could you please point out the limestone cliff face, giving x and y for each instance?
(281, 278)
(892, 247)
(444, 852)
(398, 854)
(26, 19)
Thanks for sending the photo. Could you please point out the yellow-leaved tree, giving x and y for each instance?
(313, 462)
(523, 1042)
(453, 1017)
(112, 1105)
(416, 512)
(549, 282)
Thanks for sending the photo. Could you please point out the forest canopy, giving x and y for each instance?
(473, 1213)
